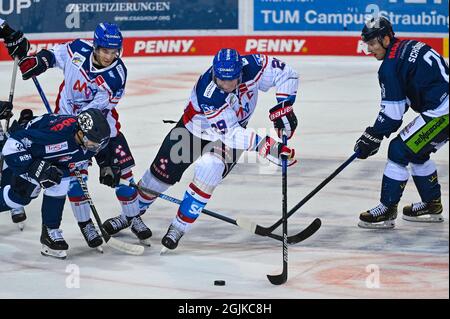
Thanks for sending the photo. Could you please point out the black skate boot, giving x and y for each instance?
(140, 230)
(171, 238)
(424, 212)
(115, 224)
(18, 217)
(380, 217)
(53, 243)
(90, 234)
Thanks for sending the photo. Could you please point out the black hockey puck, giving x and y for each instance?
(219, 282)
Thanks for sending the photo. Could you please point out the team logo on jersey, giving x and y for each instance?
(26, 142)
(78, 60)
(55, 148)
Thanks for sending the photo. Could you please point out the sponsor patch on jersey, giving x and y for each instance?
(244, 61)
(55, 148)
(78, 60)
(121, 72)
(258, 58)
(210, 90)
(207, 108)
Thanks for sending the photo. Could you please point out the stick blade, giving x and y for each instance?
(278, 280)
(306, 233)
(127, 248)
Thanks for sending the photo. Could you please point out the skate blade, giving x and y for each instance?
(59, 254)
(99, 249)
(389, 224)
(146, 242)
(164, 251)
(429, 218)
(21, 226)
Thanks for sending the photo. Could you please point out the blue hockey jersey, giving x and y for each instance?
(49, 137)
(412, 75)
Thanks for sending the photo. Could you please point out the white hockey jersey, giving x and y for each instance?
(85, 86)
(212, 114)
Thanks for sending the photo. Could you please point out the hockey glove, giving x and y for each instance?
(5, 110)
(368, 144)
(110, 176)
(283, 118)
(15, 41)
(34, 65)
(45, 174)
(273, 151)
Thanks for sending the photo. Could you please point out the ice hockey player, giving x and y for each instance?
(212, 132)
(15, 41)
(17, 46)
(412, 75)
(95, 77)
(42, 156)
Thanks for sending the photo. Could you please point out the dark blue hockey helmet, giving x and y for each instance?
(95, 128)
(377, 27)
(107, 35)
(227, 65)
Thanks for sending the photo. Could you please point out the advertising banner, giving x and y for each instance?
(40, 16)
(349, 15)
(209, 45)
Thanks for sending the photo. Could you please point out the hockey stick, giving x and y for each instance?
(114, 243)
(282, 278)
(265, 231)
(241, 222)
(11, 97)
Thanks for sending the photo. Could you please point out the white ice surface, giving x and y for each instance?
(338, 98)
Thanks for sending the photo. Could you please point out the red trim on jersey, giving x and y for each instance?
(115, 116)
(199, 191)
(220, 111)
(282, 94)
(189, 113)
(262, 70)
(58, 99)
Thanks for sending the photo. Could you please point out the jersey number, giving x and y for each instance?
(220, 126)
(277, 64)
(433, 54)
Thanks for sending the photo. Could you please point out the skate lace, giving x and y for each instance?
(379, 210)
(90, 232)
(55, 234)
(138, 224)
(174, 233)
(119, 223)
(418, 206)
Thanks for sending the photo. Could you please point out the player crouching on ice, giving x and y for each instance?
(42, 156)
(95, 77)
(213, 133)
(412, 75)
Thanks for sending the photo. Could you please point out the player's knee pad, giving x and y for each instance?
(151, 182)
(398, 152)
(208, 172)
(425, 169)
(396, 171)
